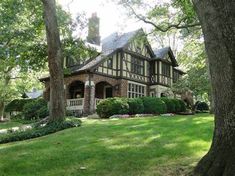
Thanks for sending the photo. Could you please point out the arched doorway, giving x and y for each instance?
(103, 90)
(76, 90)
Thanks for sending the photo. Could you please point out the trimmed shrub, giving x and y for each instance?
(35, 109)
(40, 131)
(177, 105)
(182, 106)
(17, 105)
(170, 104)
(202, 106)
(112, 106)
(153, 105)
(135, 106)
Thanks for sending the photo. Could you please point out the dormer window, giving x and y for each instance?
(110, 63)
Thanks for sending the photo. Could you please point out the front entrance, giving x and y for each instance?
(103, 90)
(108, 92)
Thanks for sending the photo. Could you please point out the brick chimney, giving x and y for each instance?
(93, 30)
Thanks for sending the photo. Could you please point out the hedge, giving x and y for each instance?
(17, 105)
(170, 104)
(153, 105)
(143, 105)
(136, 106)
(111, 106)
(37, 109)
(202, 106)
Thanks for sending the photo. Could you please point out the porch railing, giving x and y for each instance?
(75, 104)
(78, 104)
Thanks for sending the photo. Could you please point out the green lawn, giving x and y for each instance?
(140, 146)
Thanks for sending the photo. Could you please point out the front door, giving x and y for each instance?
(108, 92)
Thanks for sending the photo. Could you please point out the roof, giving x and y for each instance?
(179, 70)
(34, 94)
(161, 53)
(109, 45)
(115, 40)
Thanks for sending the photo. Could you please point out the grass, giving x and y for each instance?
(140, 146)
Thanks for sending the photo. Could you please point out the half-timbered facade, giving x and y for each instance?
(126, 67)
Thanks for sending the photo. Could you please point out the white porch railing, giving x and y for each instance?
(75, 104)
(78, 104)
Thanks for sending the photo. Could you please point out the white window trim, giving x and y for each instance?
(135, 83)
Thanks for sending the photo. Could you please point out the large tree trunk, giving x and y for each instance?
(57, 107)
(218, 23)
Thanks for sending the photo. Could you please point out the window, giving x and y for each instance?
(137, 66)
(110, 63)
(135, 90)
(176, 76)
(166, 70)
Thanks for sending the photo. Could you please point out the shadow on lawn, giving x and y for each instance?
(145, 146)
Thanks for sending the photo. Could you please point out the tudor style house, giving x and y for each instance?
(127, 66)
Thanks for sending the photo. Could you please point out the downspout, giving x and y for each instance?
(89, 97)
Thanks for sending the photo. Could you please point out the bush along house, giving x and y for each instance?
(127, 66)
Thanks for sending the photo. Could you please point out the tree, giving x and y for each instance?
(193, 59)
(217, 21)
(55, 59)
(20, 44)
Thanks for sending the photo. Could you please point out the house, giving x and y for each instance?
(34, 94)
(126, 67)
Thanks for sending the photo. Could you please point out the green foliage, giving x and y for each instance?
(196, 79)
(153, 105)
(182, 106)
(17, 105)
(170, 104)
(147, 105)
(202, 106)
(40, 131)
(177, 105)
(135, 106)
(35, 109)
(112, 106)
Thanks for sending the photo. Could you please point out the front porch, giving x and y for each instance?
(83, 97)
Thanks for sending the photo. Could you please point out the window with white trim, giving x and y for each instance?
(135, 90)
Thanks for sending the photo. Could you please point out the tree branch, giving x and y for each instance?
(170, 26)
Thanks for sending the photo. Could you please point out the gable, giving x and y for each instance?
(110, 65)
(166, 54)
(139, 44)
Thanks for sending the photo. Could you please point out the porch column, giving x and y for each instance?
(89, 98)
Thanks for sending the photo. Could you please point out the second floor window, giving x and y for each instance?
(176, 76)
(166, 70)
(110, 63)
(137, 66)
